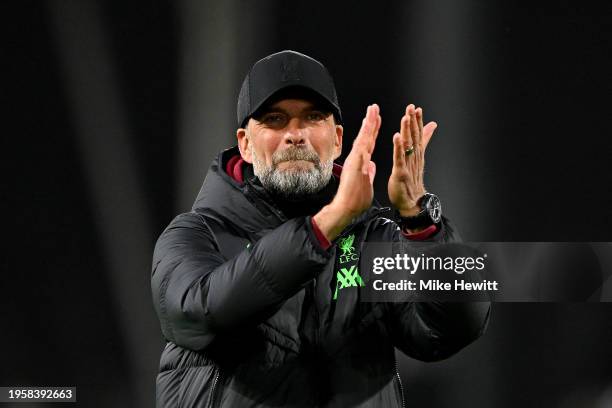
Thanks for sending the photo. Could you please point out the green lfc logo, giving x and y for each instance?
(348, 251)
(349, 276)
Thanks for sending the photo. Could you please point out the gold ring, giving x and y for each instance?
(409, 151)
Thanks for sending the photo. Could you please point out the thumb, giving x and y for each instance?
(371, 171)
(428, 131)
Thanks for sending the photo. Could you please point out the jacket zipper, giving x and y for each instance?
(399, 380)
(316, 311)
(317, 328)
(211, 400)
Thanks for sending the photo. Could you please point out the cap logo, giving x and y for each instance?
(289, 71)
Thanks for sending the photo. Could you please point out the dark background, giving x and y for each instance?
(113, 111)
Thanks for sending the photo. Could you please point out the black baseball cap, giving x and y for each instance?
(290, 72)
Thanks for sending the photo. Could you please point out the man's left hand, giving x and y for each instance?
(406, 185)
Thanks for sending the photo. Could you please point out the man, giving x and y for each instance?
(257, 289)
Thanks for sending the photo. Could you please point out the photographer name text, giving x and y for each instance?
(435, 285)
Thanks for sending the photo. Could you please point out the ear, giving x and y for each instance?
(244, 145)
(338, 141)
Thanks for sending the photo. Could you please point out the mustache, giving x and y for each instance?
(295, 153)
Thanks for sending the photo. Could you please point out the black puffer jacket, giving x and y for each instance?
(245, 300)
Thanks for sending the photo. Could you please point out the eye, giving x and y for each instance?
(316, 116)
(273, 119)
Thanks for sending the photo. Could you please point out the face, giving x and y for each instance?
(292, 146)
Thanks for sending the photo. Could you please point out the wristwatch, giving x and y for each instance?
(431, 213)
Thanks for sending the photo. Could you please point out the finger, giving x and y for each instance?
(405, 129)
(364, 140)
(419, 115)
(399, 154)
(428, 132)
(414, 128)
(367, 136)
(376, 131)
(377, 122)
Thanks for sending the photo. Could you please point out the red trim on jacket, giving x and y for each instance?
(421, 235)
(323, 241)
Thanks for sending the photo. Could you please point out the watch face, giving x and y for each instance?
(434, 208)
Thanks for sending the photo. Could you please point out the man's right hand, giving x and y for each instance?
(356, 190)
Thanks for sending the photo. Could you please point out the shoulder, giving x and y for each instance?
(184, 230)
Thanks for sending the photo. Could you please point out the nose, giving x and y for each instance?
(294, 133)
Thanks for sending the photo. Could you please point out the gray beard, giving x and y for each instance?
(293, 184)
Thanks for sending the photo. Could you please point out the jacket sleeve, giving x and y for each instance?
(198, 293)
(432, 331)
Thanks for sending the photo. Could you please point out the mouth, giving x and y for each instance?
(296, 163)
